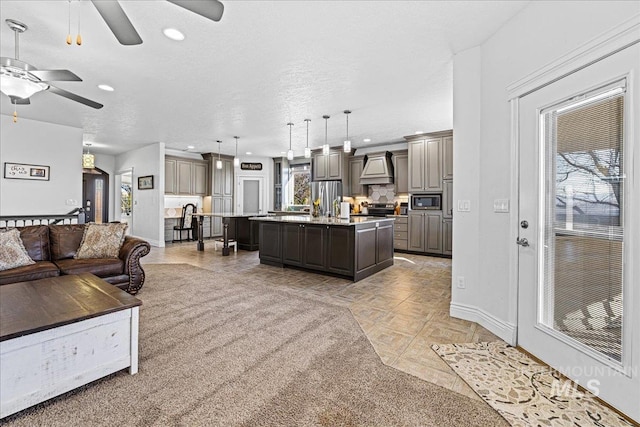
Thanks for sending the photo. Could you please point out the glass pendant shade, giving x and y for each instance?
(20, 87)
(307, 153)
(347, 146)
(88, 161)
(218, 164)
(325, 149)
(236, 159)
(290, 155)
(290, 152)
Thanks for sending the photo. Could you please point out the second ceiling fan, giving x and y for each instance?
(123, 29)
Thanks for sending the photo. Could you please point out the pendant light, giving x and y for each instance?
(325, 147)
(236, 159)
(346, 147)
(290, 152)
(219, 161)
(307, 150)
(88, 159)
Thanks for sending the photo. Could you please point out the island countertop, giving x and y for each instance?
(308, 219)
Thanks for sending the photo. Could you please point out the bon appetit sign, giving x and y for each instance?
(246, 166)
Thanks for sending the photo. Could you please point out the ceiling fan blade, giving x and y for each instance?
(19, 101)
(118, 22)
(75, 97)
(56, 76)
(210, 9)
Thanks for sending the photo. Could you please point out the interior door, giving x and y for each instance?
(579, 209)
(251, 196)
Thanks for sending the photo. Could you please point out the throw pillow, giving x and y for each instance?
(12, 251)
(101, 241)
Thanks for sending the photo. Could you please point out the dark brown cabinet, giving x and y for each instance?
(354, 251)
(425, 232)
(356, 164)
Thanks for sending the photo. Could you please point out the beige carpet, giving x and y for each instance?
(525, 392)
(226, 351)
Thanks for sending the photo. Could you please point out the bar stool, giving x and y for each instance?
(220, 243)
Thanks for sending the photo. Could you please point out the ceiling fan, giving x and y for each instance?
(123, 29)
(20, 80)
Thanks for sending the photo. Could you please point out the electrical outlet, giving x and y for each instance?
(461, 284)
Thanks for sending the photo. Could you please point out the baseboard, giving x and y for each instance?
(504, 330)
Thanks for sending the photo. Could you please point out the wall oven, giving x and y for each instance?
(426, 201)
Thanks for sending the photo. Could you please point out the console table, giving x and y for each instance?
(59, 333)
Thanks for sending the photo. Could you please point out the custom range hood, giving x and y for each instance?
(378, 169)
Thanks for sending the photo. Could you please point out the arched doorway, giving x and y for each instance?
(95, 195)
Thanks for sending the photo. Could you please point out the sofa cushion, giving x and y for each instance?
(39, 270)
(101, 241)
(101, 267)
(12, 251)
(36, 241)
(65, 240)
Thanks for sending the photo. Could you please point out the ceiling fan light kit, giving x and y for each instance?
(20, 80)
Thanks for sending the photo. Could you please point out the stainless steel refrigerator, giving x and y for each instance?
(327, 192)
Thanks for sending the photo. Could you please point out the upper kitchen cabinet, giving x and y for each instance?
(430, 160)
(400, 172)
(185, 176)
(356, 164)
(329, 167)
(223, 178)
(447, 154)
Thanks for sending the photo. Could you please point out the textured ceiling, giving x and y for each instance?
(264, 64)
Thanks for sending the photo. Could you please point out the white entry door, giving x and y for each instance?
(250, 198)
(579, 236)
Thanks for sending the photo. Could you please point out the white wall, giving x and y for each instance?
(148, 205)
(40, 143)
(541, 33)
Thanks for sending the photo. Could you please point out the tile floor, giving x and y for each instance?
(402, 310)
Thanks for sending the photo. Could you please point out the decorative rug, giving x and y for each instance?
(523, 391)
(224, 349)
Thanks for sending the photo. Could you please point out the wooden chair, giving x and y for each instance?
(187, 223)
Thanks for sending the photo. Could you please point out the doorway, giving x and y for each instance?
(576, 307)
(124, 194)
(95, 195)
(251, 190)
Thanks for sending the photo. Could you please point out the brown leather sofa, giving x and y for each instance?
(53, 247)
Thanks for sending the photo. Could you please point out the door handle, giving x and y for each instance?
(522, 242)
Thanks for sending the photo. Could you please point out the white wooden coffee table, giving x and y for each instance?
(59, 333)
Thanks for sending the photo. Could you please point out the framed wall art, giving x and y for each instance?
(145, 182)
(26, 171)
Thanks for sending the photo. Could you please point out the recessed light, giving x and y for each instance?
(106, 87)
(418, 132)
(249, 153)
(283, 152)
(173, 34)
(190, 147)
(367, 140)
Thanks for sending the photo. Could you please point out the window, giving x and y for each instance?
(298, 188)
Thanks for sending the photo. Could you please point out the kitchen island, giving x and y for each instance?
(354, 248)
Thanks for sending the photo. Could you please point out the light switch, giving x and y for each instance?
(501, 205)
(464, 205)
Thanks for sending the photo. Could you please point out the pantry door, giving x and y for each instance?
(579, 227)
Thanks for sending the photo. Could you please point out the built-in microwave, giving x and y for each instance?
(426, 201)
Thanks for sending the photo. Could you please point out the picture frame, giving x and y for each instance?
(26, 171)
(145, 182)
